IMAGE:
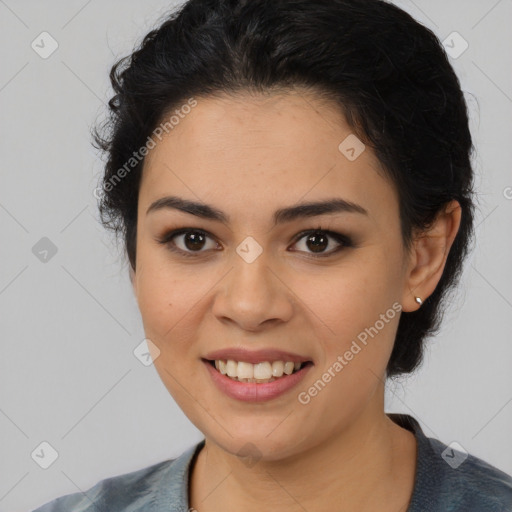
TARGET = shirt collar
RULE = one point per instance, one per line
(429, 467)
(173, 496)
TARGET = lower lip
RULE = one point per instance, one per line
(252, 391)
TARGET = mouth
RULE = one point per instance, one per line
(259, 373)
(262, 381)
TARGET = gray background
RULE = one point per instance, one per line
(69, 325)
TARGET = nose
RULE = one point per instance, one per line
(253, 296)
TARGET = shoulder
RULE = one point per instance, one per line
(129, 491)
(470, 483)
(449, 479)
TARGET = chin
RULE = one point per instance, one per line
(258, 444)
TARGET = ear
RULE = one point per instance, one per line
(428, 255)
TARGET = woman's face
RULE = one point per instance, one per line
(254, 282)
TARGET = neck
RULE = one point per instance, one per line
(371, 460)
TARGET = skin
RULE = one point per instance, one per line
(249, 155)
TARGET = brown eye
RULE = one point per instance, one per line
(317, 241)
(194, 240)
(188, 242)
(191, 242)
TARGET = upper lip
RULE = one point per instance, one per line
(255, 356)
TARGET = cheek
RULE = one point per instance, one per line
(164, 293)
(354, 308)
(162, 297)
(167, 305)
(162, 304)
(351, 296)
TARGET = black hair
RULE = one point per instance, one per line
(388, 73)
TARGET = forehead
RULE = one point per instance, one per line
(249, 151)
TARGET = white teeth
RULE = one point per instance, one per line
(277, 368)
(231, 368)
(259, 372)
(245, 370)
(288, 368)
(222, 367)
(262, 370)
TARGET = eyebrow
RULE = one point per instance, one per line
(288, 214)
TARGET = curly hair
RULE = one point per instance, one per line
(388, 73)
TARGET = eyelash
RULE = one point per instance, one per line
(338, 237)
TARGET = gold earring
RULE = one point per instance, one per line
(418, 300)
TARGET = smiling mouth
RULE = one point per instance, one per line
(259, 373)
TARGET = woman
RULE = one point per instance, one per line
(293, 185)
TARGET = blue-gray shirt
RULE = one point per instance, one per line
(447, 480)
